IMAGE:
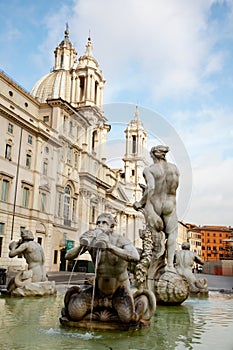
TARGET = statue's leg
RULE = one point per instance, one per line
(123, 303)
(171, 225)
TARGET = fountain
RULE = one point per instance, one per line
(31, 282)
(109, 303)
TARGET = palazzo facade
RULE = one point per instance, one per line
(54, 178)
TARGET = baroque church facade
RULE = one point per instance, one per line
(54, 178)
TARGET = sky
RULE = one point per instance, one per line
(172, 58)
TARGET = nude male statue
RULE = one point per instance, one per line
(112, 281)
(159, 199)
(34, 255)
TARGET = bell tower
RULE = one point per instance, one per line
(89, 80)
(65, 54)
(135, 156)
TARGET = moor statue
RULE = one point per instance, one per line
(110, 298)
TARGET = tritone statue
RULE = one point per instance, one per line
(184, 260)
(158, 204)
(110, 303)
(33, 281)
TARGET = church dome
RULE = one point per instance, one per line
(52, 86)
(79, 83)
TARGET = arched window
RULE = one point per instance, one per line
(94, 139)
(67, 197)
(134, 144)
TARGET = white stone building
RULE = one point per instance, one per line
(54, 179)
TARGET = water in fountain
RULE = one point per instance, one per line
(97, 260)
(73, 268)
(197, 324)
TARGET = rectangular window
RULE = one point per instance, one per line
(134, 144)
(1, 239)
(30, 139)
(25, 197)
(10, 128)
(8, 151)
(81, 85)
(69, 155)
(5, 189)
(22, 228)
(2, 228)
(93, 214)
(46, 118)
(45, 168)
(28, 161)
(39, 240)
(70, 127)
(55, 256)
(43, 202)
(73, 209)
(64, 124)
(59, 204)
(75, 160)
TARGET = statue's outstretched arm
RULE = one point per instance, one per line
(198, 260)
(128, 252)
(17, 250)
(74, 252)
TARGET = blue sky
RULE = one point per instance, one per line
(173, 58)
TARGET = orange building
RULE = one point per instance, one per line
(216, 242)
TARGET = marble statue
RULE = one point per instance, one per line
(184, 260)
(159, 199)
(33, 281)
(158, 204)
(109, 302)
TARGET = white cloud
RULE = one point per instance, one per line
(169, 45)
